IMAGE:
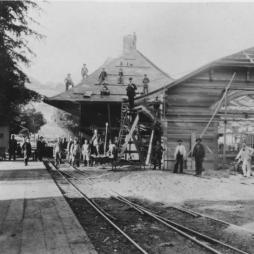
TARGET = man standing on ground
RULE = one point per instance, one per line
(245, 156)
(157, 155)
(86, 152)
(27, 150)
(199, 155)
(69, 156)
(146, 81)
(12, 148)
(180, 156)
(40, 148)
(131, 93)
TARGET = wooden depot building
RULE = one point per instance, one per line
(212, 93)
(95, 108)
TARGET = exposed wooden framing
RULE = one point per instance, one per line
(109, 119)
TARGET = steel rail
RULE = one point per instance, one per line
(101, 213)
(177, 227)
(181, 227)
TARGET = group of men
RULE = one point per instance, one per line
(85, 151)
(180, 155)
(15, 148)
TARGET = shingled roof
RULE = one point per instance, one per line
(133, 63)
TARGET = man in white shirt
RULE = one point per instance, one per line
(180, 156)
(245, 156)
(86, 152)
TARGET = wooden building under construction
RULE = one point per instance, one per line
(203, 103)
(221, 88)
(94, 108)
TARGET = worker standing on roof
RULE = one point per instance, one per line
(102, 77)
(120, 76)
(131, 93)
(84, 72)
(156, 107)
(68, 82)
(146, 81)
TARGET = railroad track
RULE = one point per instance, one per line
(207, 243)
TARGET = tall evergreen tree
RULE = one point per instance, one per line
(15, 28)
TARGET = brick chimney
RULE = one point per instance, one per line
(129, 42)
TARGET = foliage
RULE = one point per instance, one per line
(32, 120)
(15, 24)
(67, 121)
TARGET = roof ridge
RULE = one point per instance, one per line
(196, 71)
(154, 65)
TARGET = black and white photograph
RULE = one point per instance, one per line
(126, 127)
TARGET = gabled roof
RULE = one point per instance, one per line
(244, 58)
(133, 63)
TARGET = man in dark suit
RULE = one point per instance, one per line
(199, 155)
(131, 93)
(27, 149)
(12, 148)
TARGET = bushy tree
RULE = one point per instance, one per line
(15, 29)
(32, 120)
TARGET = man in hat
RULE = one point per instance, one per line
(40, 148)
(131, 92)
(12, 148)
(199, 154)
(156, 107)
(180, 156)
(146, 81)
(84, 72)
(102, 77)
(68, 82)
(120, 76)
(245, 155)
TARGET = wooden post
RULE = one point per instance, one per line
(106, 135)
(193, 142)
(109, 119)
(225, 131)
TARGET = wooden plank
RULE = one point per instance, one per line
(55, 235)
(10, 238)
(77, 237)
(11, 230)
(33, 237)
(4, 207)
(33, 241)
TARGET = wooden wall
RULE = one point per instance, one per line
(188, 108)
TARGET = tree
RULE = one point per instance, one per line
(14, 52)
(32, 120)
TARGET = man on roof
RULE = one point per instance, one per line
(84, 72)
(146, 81)
(68, 82)
(120, 76)
(131, 92)
(102, 77)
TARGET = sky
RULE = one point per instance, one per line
(177, 37)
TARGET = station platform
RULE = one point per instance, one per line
(34, 216)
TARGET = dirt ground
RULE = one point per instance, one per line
(222, 194)
(225, 194)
